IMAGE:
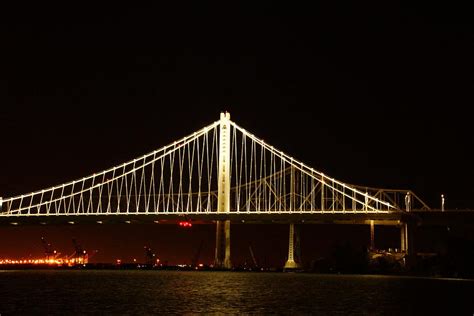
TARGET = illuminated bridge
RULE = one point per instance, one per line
(220, 173)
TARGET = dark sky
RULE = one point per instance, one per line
(371, 93)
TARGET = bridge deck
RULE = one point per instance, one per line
(422, 218)
(326, 218)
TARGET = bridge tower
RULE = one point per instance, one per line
(222, 259)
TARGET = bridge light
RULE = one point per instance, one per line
(185, 224)
(14, 223)
(71, 222)
(128, 222)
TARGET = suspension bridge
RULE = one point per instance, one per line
(221, 173)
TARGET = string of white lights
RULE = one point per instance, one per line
(182, 178)
(125, 184)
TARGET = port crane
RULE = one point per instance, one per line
(253, 257)
(149, 257)
(49, 252)
(80, 255)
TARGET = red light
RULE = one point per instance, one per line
(185, 224)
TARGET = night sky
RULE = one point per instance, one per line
(370, 93)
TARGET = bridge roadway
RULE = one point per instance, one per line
(420, 218)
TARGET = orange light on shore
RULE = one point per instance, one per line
(38, 261)
(33, 261)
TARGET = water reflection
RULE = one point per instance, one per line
(171, 292)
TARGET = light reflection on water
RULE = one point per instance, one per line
(172, 292)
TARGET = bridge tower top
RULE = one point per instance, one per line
(225, 116)
(223, 196)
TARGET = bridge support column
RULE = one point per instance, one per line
(407, 238)
(222, 259)
(291, 262)
(372, 235)
(403, 237)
